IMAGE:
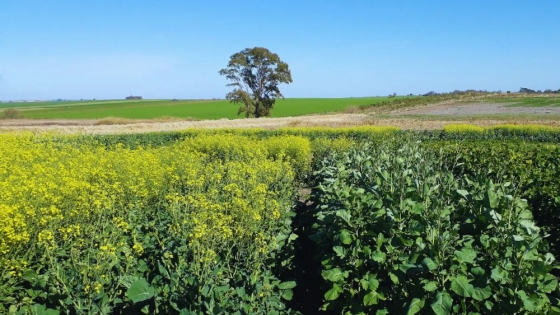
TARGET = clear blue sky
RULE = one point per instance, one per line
(174, 49)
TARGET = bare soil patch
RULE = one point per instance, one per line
(467, 109)
(334, 120)
(135, 126)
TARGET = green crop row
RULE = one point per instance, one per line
(402, 229)
(365, 133)
(535, 167)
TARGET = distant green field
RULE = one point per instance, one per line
(55, 103)
(200, 109)
(530, 101)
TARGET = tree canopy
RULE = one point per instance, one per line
(255, 74)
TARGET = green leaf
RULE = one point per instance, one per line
(380, 240)
(205, 290)
(499, 274)
(418, 208)
(490, 199)
(287, 295)
(50, 311)
(287, 285)
(394, 278)
(495, 216)
(142, 266)
(477, 271)
(333, 293)
(481, 294)
(549, 259)
(443, 304)
(461, 286)
(344, 215)
(463, 193)
(240, 291)
(382, 312)
(526, 214)
(140, 291)
(415, 306)
(345, 237)
(430, 286)
(370, 298)
(373, 282)
(429, 263)
(365, 284)
(292, 237)
(334, 275)
(39, 309)
(340, 251)
(370, 282)
(467, 255)
(549, 284)
(378, 256)
(529, 226)
(29, 275)
(529, 302)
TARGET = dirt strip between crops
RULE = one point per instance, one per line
(463, 109)
(334, 120)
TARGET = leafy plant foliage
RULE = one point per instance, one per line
(397, 234)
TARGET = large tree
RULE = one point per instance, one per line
(255, 74)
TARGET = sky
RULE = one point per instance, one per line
(109, 49)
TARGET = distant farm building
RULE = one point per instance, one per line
(134, 97)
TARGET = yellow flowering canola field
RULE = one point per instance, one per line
(85, 221)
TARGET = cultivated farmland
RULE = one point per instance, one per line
(419, 113)
(455, 221)
(196, 109)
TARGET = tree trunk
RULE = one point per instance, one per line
(257, 113)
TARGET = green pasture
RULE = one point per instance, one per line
(529, 101)
(200, 109)
(61, 104)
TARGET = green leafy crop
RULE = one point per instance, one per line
(398, 233)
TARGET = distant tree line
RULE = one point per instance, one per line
(530, 91)
(134, 97)
(459, 92)
(465, 92)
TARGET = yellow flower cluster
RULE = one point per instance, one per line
(231, 145)
(217, 189)
(13, 229)
(459, 128)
